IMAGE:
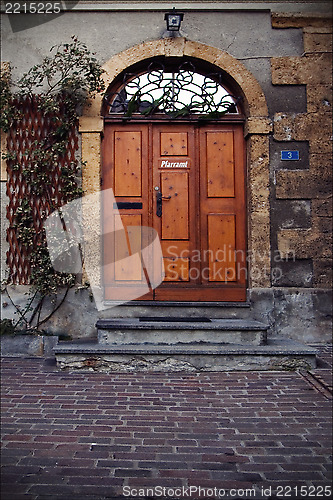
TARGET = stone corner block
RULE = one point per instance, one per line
(300, 20)
(90, 124)
(174, 47)
(317, 41)
(312, 68)
(258, 125)
(303, 127)
(286, 71)
(294, 243)
(284, 126)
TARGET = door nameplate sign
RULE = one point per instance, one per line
(289, 155)
(174, 164)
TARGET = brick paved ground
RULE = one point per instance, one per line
(86, 435)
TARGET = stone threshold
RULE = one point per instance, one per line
(277, 354)
(275, 345)
(180, 324)
(159, 303)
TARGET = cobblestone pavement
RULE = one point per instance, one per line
(84, 435)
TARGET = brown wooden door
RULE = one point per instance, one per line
(188, 183)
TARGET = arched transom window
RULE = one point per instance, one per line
(179, 91)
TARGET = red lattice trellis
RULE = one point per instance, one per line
(32, 126)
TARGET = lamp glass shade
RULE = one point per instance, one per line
(173, 20)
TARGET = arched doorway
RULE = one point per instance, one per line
(204, 221)
(174, 156)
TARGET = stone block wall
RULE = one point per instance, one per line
(302, 193)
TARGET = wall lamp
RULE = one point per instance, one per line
(173, 20)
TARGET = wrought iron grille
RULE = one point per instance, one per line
(179, 92)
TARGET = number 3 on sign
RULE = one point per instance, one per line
(289, 155)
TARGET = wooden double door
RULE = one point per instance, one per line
(187, 181)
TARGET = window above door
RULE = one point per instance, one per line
(175, 91)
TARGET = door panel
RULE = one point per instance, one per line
(175, 205)
(220, 164)
(126, 246)
(221, 244)
(127, 163)
(173, 143)
(188, 183)
(176, 269)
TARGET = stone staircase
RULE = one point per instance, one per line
(178, 331)
(177, 339)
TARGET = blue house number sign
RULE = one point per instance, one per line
(289, 155)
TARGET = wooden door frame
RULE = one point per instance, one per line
(257, 128)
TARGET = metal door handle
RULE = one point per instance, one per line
(159, 204)
(159, 199)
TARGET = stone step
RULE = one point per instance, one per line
(231, 310)
(179, 330)
(277, 354)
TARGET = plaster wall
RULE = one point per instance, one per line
(247, 36)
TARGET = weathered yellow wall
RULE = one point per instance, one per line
(313, 69)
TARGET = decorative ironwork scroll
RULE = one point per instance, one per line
(179, 92)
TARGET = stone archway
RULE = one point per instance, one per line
(256, 131)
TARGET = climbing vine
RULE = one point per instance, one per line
(58, 88)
